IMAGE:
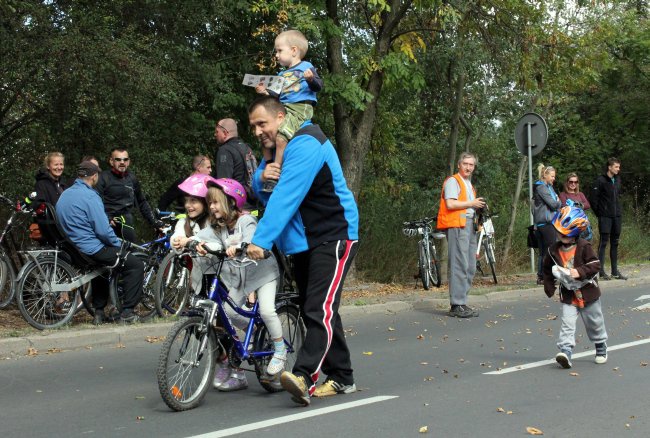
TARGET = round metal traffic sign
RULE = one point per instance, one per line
(538, 133)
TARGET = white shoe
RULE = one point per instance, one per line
(222, 374)
(601, 359)
(277, 362)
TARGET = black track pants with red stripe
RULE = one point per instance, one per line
(319, 274)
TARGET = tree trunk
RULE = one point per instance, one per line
(455, 118)
(515, 201)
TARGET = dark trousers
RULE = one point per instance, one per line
(320, 273)
(546, 236)
(131, 274)
(610, 230)
(126, 231)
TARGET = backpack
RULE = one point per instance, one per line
(250, 166)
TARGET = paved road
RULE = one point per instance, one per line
(415, 368)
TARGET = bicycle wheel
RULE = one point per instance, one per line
(172, 286)
(187, 362)
(146, 308)
(38, 304)
(7, 282)
(424, 263)
(293, 332)
(436, 277)
(488, 244)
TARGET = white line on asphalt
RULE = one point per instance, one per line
(294, 417)
(541, 363)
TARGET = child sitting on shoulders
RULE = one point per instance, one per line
(230, 227)
(298, 95)
(572, 261)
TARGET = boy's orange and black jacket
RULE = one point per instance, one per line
(585, 261)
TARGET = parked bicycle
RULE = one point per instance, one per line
(187, 359)
(486, 242)
(10, 262)
(428, 261)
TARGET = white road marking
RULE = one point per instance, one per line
(295, 417)
(644, 306)
(541, 363)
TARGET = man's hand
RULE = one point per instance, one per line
(308, 75)
(271, 171)
(254, 252)
(478, 203)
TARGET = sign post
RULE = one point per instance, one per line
(531, 134)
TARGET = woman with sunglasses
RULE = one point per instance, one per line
(572, 191)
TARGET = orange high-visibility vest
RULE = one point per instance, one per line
(453, 218)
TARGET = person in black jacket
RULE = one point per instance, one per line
(230, 159)
(49, 182)
(605, 202)
(201, 164)
(121, 192)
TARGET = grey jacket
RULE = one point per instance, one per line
(545, 203)
(240, 273)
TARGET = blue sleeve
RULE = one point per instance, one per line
(263, 197)
(303, 159)
(99, 222)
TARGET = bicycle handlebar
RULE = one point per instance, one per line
(221, 253)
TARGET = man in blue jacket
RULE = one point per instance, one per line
(312, 215)
(82, 217)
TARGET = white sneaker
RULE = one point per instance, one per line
(276, 364)
(222, 374)
(601, 359)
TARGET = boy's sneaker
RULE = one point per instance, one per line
(276, 364)
(234, 383)
(474, 311)
(564, 359)
(331, 387)
(601, 353)
(459, 311)
(296, 386)
(222, 374)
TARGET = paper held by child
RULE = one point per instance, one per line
(563, 276)
(273, 83)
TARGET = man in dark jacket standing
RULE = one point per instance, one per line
(230, 160)
(121, 192)
(605, 201)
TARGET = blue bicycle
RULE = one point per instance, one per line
(187, 361)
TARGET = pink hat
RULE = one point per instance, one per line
(197, 185)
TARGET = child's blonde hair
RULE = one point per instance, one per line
(229, 208)
(544, 170)
(295, 38)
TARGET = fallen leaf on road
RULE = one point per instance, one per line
(392, 339)
(615, 369)
(428, 379)
(31, 351)
(500, 410)
(54, 350)
(644, 364)
(424, 363)
(391, 329)
(88, 347)
(120, 345)
(574, 374)
(534, 431)
(139, 418)
(39, 390)
(509, 413)
(139, 397)
(424, 429)
(154, 339)
(420, 336)
(368, 353)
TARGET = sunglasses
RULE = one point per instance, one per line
(573, 182)
(121, 159)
